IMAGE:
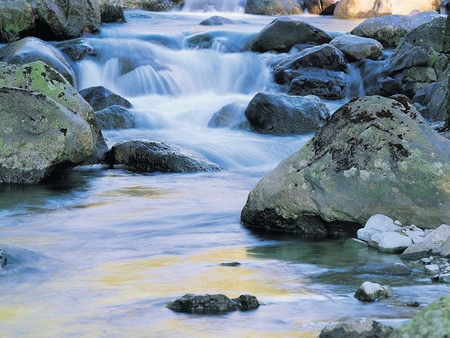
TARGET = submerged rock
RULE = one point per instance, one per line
(284, 33)
(374, 155)
(152, 156)
(212, 304)
(216, 21)
(432, 321)
(370, 292)
(356, 328)
(232, 116)
(271, 113)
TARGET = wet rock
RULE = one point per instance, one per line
(231, 116)
(356, 48)
(64, 20)
(216, 21)
(393, 242)
(115, 117)
(389, 29)
(155, 5)
(100, 98)
(41, 78)
(356, 328)
(40, 138)
(152, 156)
(212, 304)
(284, 33)
(346, 9)
(374, 155)
(393, 269)
(111, 11)
(33, 49)
(320, 6)
(429, 101)
(377, 224)
(273, 7)
(271, 113)
(370, 292)
(77, 50)
(3, 258)
(420, 250)
(231, 264)
(432, 321)
(17, 20)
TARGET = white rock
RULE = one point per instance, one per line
(415, 236)
(432, 269)
(375, 239)
(369, 291)
(393, 242)
(439, 235)
(377, 223)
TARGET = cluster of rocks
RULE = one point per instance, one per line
(213, 304)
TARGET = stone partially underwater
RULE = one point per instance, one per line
(374, 155)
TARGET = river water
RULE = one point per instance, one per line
(101, 252)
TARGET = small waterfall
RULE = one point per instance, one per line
(214, 6)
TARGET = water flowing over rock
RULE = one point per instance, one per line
(273, 7)
(17, 20)
(284, 33)
(374, 155)
(356, 48)
(432, 321)
(152, 156)
(346, 9)
(115, 117)
(390, 29)
(212, 304)
(63, 20)
(271, 113)
(216, 21)
(39, 138)
(32, 49)
(100, 98)
(232, 116)
(356, 328)
(43, 79)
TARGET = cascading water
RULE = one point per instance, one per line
(102, 251)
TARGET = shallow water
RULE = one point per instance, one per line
(101, 252)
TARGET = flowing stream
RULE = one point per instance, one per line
(101, 252)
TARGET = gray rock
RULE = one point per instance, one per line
(370, 292)
(100, 98)
(152, 156)
(356, 328)
(284, 33)
(155, 5)
(40, 138)
(356, 48)
(40, 78)
(445, 252)
(77, 49)
(271, 113)
(115, 117)
(111, 11)
(231, 116)
(429, 101)
(439, 235)
(216, 21)
(393, 269)
(393, 242)
(3, 258)
(390, 29)
(212, 304)
(17, 20)
(374, 155)
(417, 251)
(432, 321)
(273, 7)
(64, 20)
(33, 49)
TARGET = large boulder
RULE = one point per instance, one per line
(318, 70)
(40, 139)
(432, 321)
(346, 9)
(271, 113)
(319, 6)
(63, 20)
(152, 156)
(100, 98)
(356, 48)
(390, 29)
(32, 49)
(356, 328)
(375, 155)
(284, 33)
(43, 79)
(273, 7)
(17, 20)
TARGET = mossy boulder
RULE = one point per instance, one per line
(375, 155)
(41, 78)
(39, 138)
(17, 20)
